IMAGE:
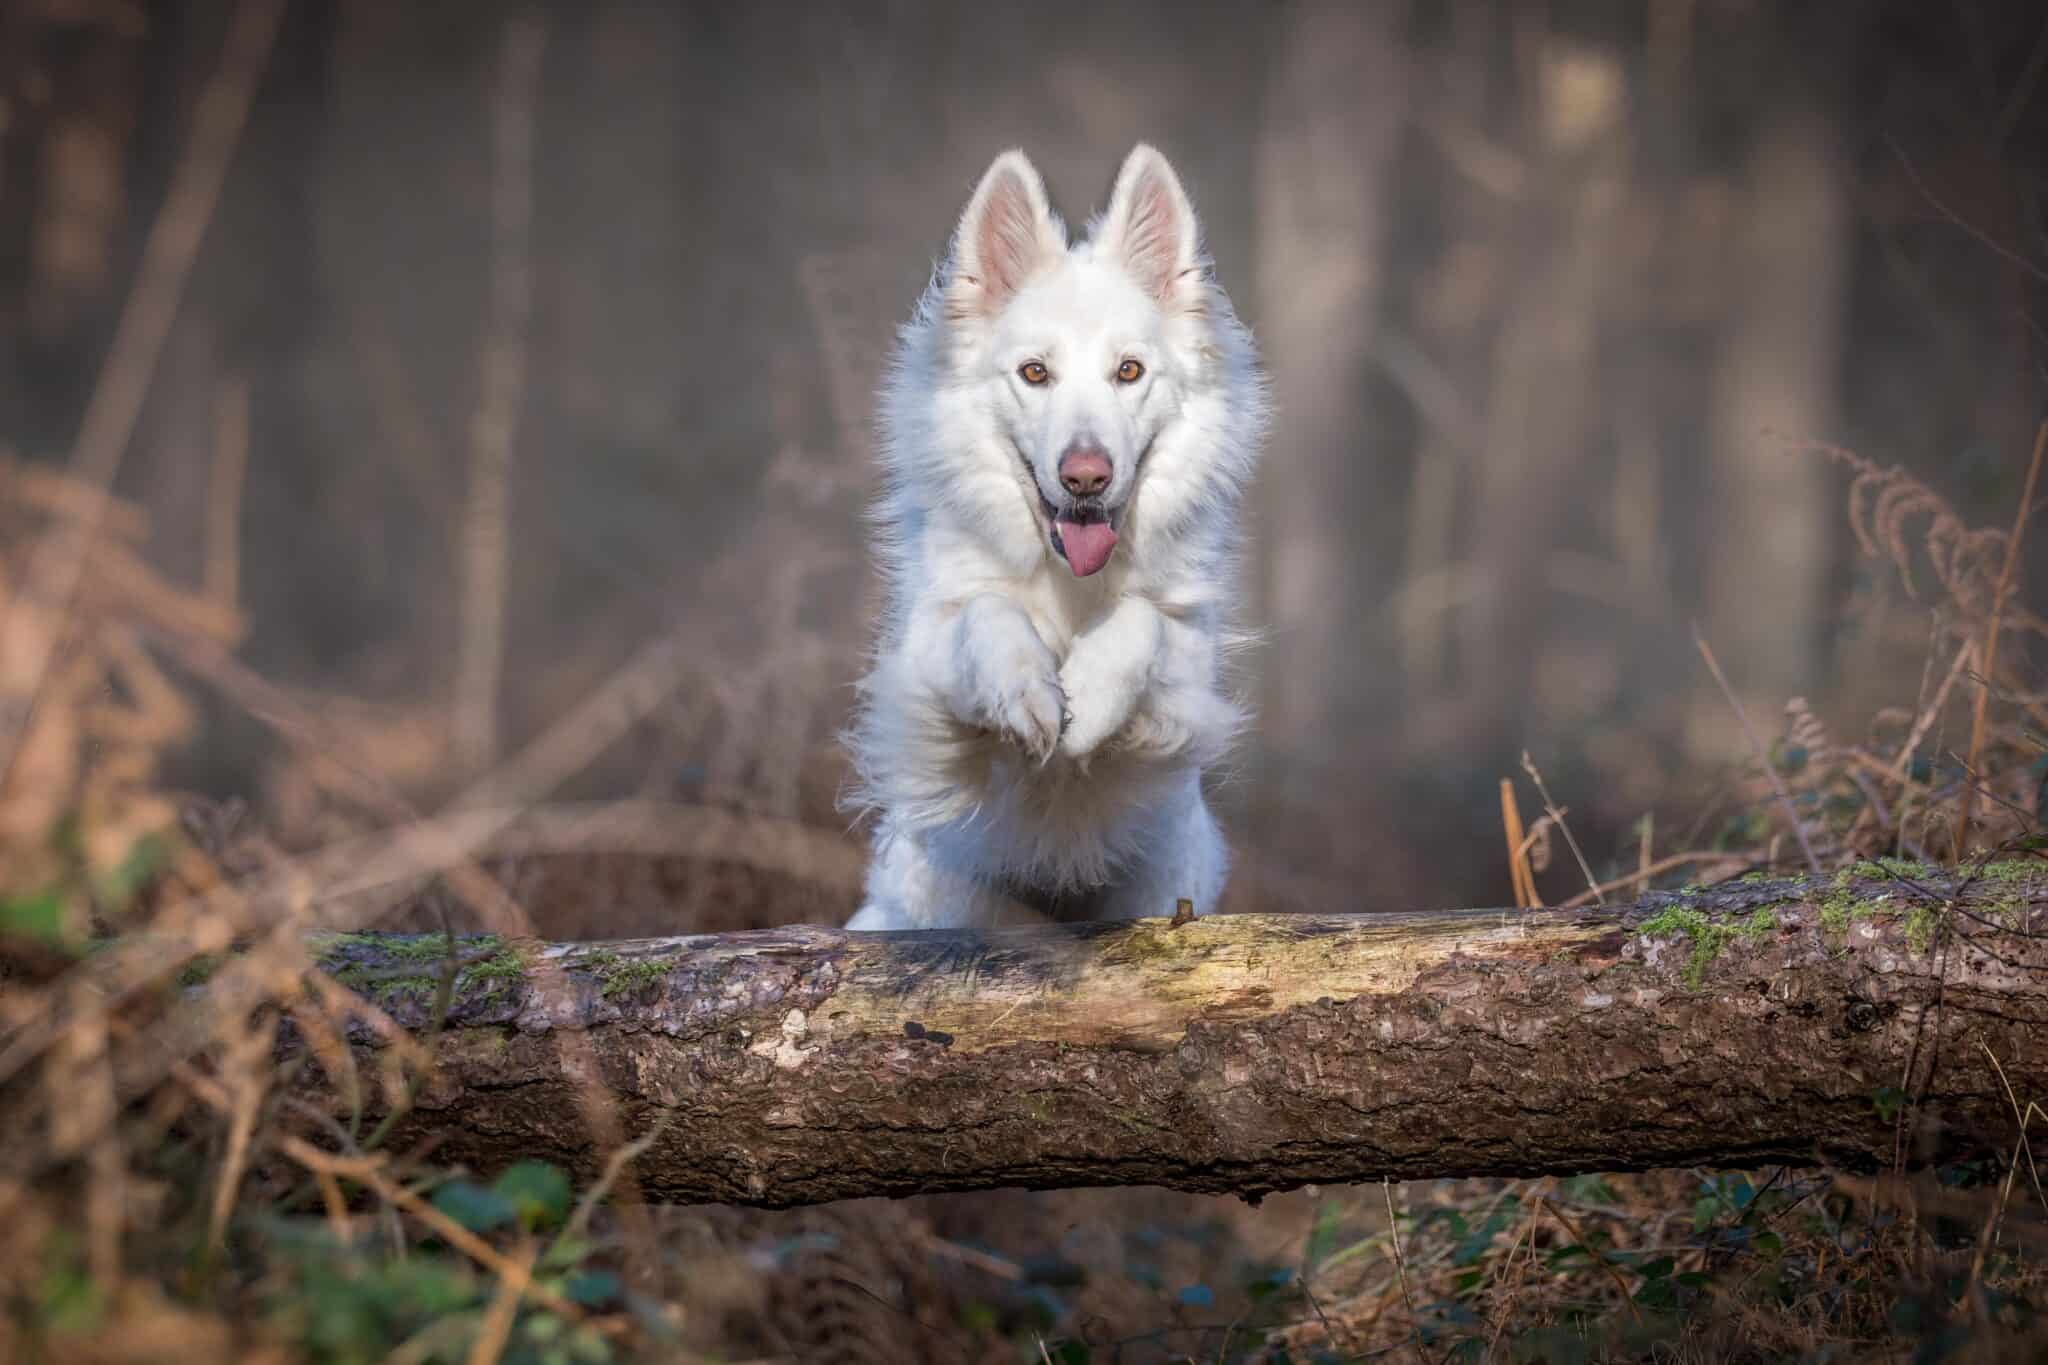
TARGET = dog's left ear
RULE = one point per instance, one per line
(1151, 227)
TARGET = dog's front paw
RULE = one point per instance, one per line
(1020, 699)
(1091, 719)
(1098, 704)
(1030, 711)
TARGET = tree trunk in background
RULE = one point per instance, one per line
(1774, 383)
(74, 97)
(486, 532)
(1323, 184)
(1324, 175)
(1776, 380)
(1541, 416)
(1756, 1022)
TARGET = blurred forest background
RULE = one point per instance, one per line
(528, 353)
(484, 391)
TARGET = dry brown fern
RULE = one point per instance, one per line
(1884, 506)
(855, 1285)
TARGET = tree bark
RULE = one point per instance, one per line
(1853, 1021)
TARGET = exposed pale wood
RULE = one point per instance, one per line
(1759, 1021)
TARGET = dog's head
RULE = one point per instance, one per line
(1080, 356)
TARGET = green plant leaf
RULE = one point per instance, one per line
(474, 1207)
(39, 917)
(593, 1288)
(539, 1193)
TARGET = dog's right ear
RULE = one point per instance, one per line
(1006, 236)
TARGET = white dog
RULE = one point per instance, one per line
(1066, 436)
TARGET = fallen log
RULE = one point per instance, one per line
(1892, 1013)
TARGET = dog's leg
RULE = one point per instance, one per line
(906, 889)
(1107, 671)
(1191, 721)
(1185, 858)
(984, 660)
(1143, 682)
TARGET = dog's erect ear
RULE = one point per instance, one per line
(1007, 235)
(1151, 227)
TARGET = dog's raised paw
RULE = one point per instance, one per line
(1091, 723)
(1031, 715)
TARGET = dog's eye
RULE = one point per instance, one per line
(1033, 373)
(1130, 372)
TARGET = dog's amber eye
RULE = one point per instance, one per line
(1031, 372)
(1129, 372)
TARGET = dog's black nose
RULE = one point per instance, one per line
(1084, 470)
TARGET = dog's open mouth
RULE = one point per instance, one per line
(1083, 534)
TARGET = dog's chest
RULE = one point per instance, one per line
(1063, 612)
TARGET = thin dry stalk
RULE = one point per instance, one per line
(1401, 1270)
(1577, 1236)
(1923, 722)
(1990, 668)
(987, 1263)
(1518, 853)
(496, 1329)
(1756, 745)
(1644, 873)
(1506, 1309)
(485, 536)
(52, 493)
(1556, 814)
(614, 1168)
(1982, 237)
(2023, 1118)
(247, 1061)
(337, 1207)
(1534, 850)
(146, 317)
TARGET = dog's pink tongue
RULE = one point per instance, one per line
(1088, 544)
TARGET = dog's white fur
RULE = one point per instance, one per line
(1026, 733)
